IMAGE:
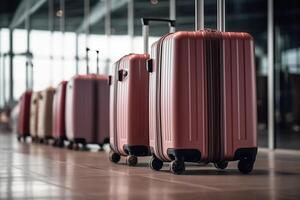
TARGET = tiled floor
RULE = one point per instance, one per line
(31, 171)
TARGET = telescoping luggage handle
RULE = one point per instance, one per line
(199, 15)
(146, 21)
(87, 61)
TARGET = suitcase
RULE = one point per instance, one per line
(24, 115)
(34, 105)
(59, 125)
(87, 103)
(45, 109)
(203, 100)
(129, 108)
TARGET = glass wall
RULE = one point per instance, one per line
(287, 73)
(251, 16)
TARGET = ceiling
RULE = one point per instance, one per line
(241, 15)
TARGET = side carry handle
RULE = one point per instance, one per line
(122, 74)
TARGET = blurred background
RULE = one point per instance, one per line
(43, 42)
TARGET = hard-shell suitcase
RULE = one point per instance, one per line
(129, 107)
(44, 129)
(87, 103)
(24, 116)
(34, 106)
(101, 117)
(203, 100)
(59, 125)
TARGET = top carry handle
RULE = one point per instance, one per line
(145, 22)
(199, 15)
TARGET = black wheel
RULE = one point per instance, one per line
(76, 147)
(245, 166)
(55, 143)
(60, 143)
(114, 157)
(19, 138)
(41, 141)
(100, 147)
(131, 160)
(70, 145)
(221, 164)
(85, 148)
(155, 164)
(177, 167)
(106, 141)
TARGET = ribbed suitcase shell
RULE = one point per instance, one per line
(183, 119)
(81, 99)
(102, 123)
(44, 130)
(59, 103)
(129, 105)
(24, 114)
(34, 106)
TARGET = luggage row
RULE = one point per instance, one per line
(76, 111)
(192, 99)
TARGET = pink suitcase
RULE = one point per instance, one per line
(24, 116)
(203, 100)
(87, 103)
(129, 108)
(59, 125)
(45, 109)
(34, 107)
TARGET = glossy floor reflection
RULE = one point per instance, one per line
(31, 171)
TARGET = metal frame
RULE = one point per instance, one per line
(271, 96)
(11, 66)
(99, 11)
(22, 11)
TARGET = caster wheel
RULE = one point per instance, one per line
(177, 167)
(131, 160)
(55, 143)
(114, 157)
(76, 147)
(106, 141)
(100, 147)
(19, 138)
(245, 166)
(155, 164)
(221, 164)
(85, 148)
(70, 146)
(41, 141)
(61, 144)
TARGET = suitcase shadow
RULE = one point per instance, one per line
(214, 172)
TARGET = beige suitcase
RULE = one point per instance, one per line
(34, 115)
(45, 110)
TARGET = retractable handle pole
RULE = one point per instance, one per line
(221, 15)
(145, 22)
(87, 60)
(97, 52)
(199, 15)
